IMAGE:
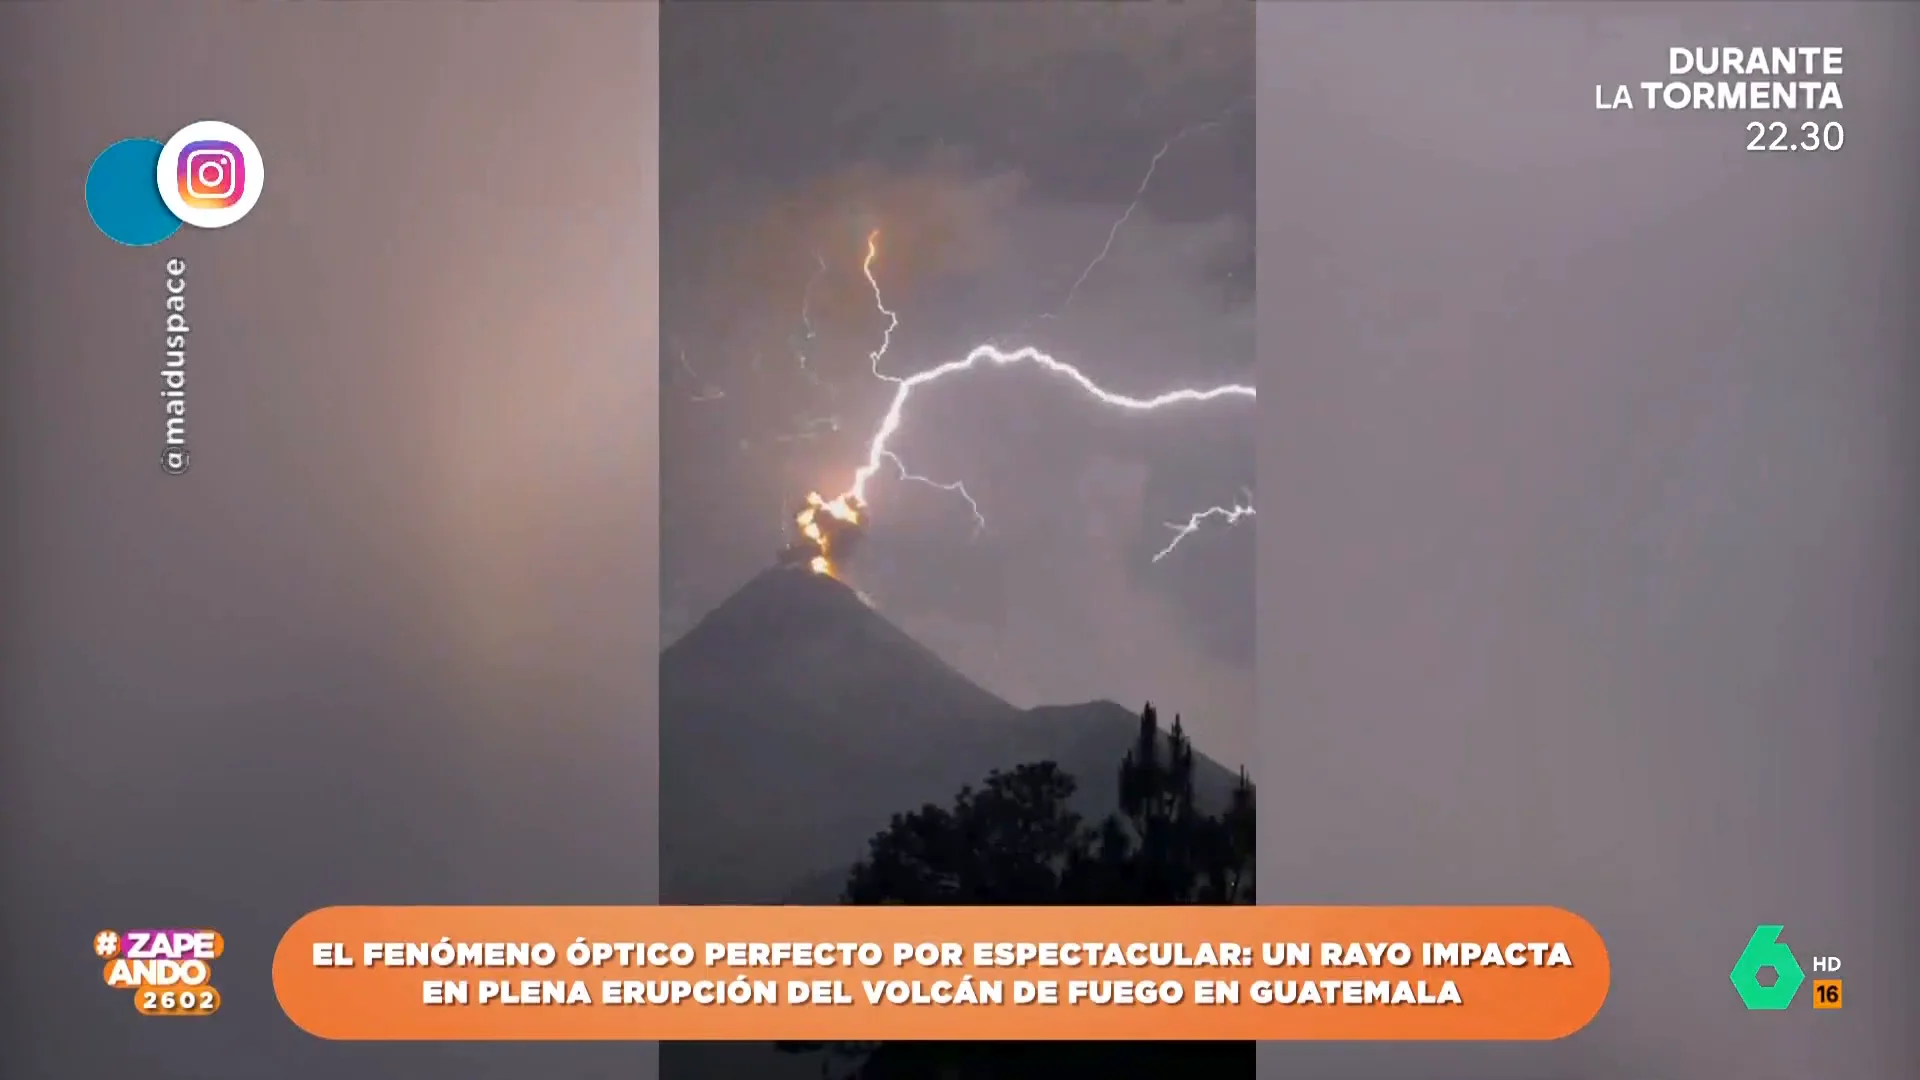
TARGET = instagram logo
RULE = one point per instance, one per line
(213, 174)
(210, 174)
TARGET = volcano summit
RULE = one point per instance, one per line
(795, 720)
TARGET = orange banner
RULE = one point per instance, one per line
(873, 974)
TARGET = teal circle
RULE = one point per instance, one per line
(123, 197)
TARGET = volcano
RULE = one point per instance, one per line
(795, 720)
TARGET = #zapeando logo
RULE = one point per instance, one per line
(167, 970)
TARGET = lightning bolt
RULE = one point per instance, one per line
(806, 321)
(893, 320)
(1139, 194)
(810, 428)
(1183, 529)
(708, 391)
(953, 487)
(849, 507)
(990, 354)
(806, 296)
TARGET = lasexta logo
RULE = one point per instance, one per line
(1765, 950)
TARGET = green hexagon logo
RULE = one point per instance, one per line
(1766, 950)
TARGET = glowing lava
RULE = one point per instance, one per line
(829, 525)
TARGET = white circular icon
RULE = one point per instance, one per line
(210, 174)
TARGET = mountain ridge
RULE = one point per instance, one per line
(796, 720)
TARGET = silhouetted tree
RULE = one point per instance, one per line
(1161, 848)
(1012, 841)
(1016, 840)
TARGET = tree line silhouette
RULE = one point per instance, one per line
(1016, 840)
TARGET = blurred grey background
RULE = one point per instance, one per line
(392, 639)
(1588, 523)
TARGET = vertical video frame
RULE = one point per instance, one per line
(957, 493)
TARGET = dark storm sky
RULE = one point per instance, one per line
(993, 146)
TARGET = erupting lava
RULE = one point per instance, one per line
(831, 526)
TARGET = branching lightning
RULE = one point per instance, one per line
(1184, 529)
(806, 298)
(806, 323)
(893, 320)
(990, 354)
(848, 509)
(806, 427)
(823, 519)
(952, 486)
(707, 391)
(1139, 194)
